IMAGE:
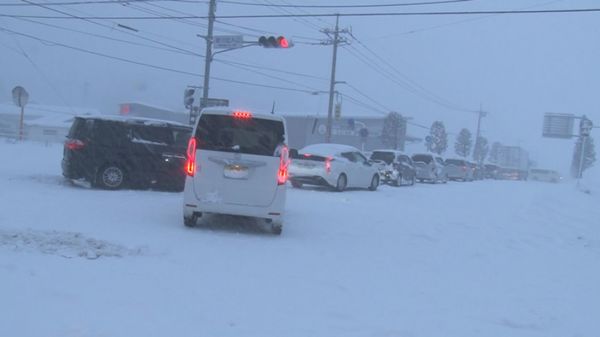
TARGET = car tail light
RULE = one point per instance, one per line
(242, 114)
(464, 168)
(284, 162)
(328, 164)
(190, 164)
(74, 144)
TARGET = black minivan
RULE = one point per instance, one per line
(113, 152)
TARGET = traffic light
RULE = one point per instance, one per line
(274, 42)
(188, 97)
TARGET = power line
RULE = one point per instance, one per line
(239, 65)
(288, 5)
(432, 96)
(275, 16)
(87, 51)
(96, 2)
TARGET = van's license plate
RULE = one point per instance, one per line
(235, 171)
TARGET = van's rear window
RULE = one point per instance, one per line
(244, 135)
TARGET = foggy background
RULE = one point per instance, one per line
(516, 67)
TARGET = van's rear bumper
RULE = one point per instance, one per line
(274, 211)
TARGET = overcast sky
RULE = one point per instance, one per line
(515, 66)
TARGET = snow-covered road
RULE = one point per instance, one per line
(488, 258)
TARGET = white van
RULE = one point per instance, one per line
(237, 163)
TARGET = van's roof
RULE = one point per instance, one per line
(230, 111)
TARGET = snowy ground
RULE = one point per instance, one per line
(490, 258)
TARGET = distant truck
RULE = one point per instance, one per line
(513, 162)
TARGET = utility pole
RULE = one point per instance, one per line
(336, 41)
(480, 114)
(208, 58)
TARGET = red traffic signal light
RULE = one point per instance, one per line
(273, 42)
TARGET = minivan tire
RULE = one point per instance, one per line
(111, 177)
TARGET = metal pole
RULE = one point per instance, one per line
(208, 57)
(332, 83)
(21, 121)
(480, 113)
(581, 158)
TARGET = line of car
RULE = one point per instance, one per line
(237, 163)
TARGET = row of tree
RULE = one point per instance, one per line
(437, 142)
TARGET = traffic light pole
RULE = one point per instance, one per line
(208, 57)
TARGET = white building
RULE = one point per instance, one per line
(43, 123)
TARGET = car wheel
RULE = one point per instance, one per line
(398, 181)
(276, 228)
(374, 183)
(341, 183)
(111, 177)
(296, 184)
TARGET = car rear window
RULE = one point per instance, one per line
(422, 158)
(387, 157)
(244, 135)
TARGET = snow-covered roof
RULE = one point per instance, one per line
(327, 149)
(129, 119)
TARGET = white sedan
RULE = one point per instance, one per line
(333, 165)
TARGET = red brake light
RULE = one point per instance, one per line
(284, 162)
(242, 114)
(74, 144)
(328, 164)
(190, 164)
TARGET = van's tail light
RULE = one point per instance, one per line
(328, 164)
(190, 163)
(74, 144)
(284, 163)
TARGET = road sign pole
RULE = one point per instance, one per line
(583, 139)
(21, 123)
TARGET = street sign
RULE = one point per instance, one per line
(585, 127)
(557, 125)
(214, 102)
(228, 41)
(20, 96)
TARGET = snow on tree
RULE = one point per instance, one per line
(481, 150)
(437, 142)
(589, 156)
(463, 143)
(391, 133)
(494, 151)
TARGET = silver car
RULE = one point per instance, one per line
(458, 169)
(429, 168)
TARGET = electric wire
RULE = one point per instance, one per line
(277, 16)
(125, 60)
